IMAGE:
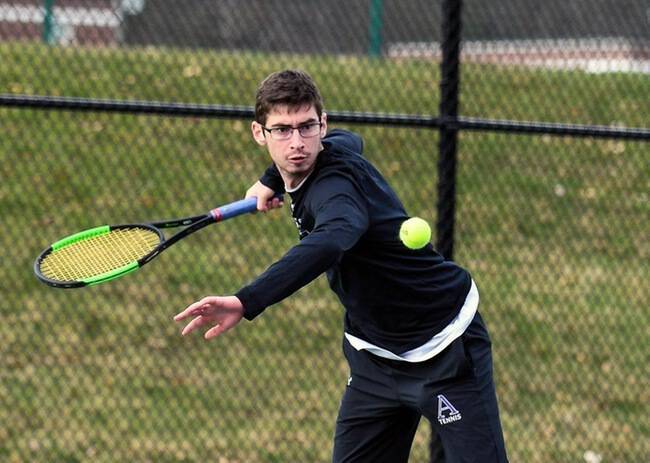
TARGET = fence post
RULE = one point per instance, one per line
(48, 22)
(449, 86)
(376, 14)
(447, 145)
(448, 112)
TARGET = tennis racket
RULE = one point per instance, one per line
(108, 252)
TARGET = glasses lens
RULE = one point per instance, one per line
(281, 133)
(309, 130)
(284, 133)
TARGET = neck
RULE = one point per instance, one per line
(292, 181)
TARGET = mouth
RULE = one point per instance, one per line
(297, 158)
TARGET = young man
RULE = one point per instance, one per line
(414, 340)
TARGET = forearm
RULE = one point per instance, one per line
(302, 264)
(272, 179)
(341, 218)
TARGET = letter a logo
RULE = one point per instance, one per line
(447, 413)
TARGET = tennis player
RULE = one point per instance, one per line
(414, 340)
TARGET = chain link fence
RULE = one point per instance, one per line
(553, 229)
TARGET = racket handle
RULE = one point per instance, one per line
(228, 211)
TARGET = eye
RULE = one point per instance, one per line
(310, 129)
(283, 130)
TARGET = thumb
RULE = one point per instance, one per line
(261, 203)
(214, 331)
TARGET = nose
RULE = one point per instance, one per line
(296, 139)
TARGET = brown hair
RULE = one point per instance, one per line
(292, 87)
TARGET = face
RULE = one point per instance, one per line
(294, 157)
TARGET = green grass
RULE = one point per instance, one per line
(553, 230)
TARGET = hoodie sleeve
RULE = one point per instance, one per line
(272, 179)
(341, 218)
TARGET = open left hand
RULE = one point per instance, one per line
(220, 312)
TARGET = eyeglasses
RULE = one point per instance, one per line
(308, 130)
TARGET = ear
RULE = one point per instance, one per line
(258, 133)
(323, 127)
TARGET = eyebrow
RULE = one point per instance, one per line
(312, 120)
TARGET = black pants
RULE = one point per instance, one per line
(384, 400)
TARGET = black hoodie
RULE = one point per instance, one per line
(348, 219)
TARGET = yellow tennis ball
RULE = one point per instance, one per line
(415, 233)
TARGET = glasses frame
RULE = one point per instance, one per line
(273, 130)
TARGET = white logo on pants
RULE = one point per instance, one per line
(447, 413)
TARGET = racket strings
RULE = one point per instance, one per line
(99, 254)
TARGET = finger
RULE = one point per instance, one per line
(214, 331)
(192, 310)
(194, 324)
(184, 314)
(275, 203)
